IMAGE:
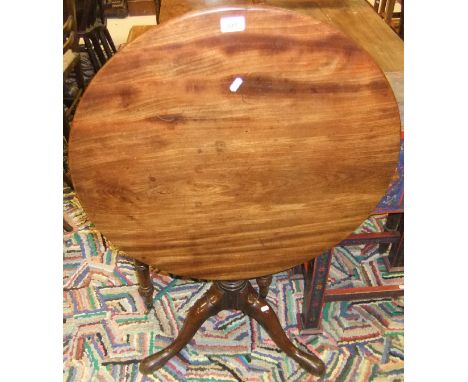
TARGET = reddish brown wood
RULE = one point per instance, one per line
(372, 237)
(141, 7)
(186, 175)
(205, 307)
(363, 292)
(356, 18)
(263, 285)
(239, 295)
(146, 287)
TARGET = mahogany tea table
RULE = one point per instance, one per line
(229, 144)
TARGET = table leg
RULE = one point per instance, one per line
(238, 295)
(205, 307)
(146, 287)
(259, 309)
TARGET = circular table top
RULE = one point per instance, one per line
(233, 143)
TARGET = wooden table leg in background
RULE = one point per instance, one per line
(146, 287)
(238, 295)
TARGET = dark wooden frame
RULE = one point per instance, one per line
(92, 28)
(315, 274)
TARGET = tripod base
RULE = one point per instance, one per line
(238, 295)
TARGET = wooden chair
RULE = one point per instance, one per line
(115, 8)
(386, 9)
(71, 65)
(316, 271)
(157, 5)
(92, 28)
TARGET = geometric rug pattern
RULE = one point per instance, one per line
(106, 331)
(362, 265)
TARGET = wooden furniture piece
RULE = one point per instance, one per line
(315, 272)
(71, 65)
(92, 28)
(141, 7)
(358, 21)
(115, 8)
(386, 9)
(395, 224)
(230, 144)
(354, 17)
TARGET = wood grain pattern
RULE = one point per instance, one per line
(355, 18)
(186, 175)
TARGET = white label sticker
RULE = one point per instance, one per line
(401, 286)
(235, 84)
(232, 24)
(264, 308)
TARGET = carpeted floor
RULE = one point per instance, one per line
(106, 331)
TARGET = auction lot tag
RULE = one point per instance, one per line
(232, 24)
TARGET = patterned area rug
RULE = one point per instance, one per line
(106, 330)
(362, 265)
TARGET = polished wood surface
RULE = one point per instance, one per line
(146, 287)
(197, 179)
(356, 18)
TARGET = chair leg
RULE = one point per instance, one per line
(314, 291)
(391, 225)
(396, 255)
(157, 4)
